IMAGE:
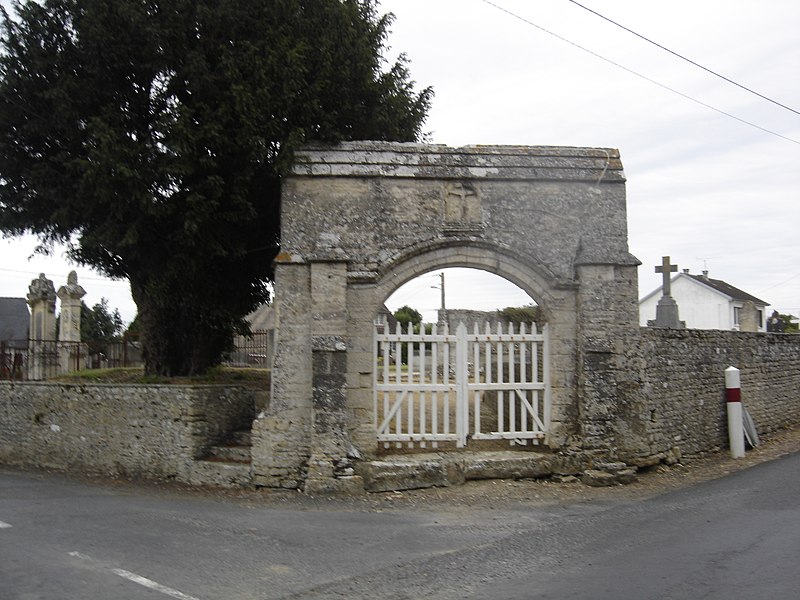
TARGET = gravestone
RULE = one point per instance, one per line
(42, 356)
(69, 334)
(748, 317)
(667, 309)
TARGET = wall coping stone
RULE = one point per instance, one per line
(437, 161)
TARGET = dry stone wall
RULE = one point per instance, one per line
(671, 396)
(664, 401)
(149, 431)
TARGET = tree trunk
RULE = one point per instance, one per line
(179, 338)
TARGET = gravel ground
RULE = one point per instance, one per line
(490, 494)
(650, 482)
(504, 494)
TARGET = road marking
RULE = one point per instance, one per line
(148, 583)
(4, 525)
(143, 581)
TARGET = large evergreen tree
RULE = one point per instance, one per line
(150, 136)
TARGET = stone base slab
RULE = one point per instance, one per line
(396, 473)
(221, 474)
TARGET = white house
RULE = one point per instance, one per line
(704, 303)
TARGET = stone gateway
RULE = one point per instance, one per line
(598, 394)
(362, 218)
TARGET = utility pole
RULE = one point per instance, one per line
(442, 314)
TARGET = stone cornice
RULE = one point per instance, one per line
(428, 161)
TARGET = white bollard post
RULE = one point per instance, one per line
(733, 397)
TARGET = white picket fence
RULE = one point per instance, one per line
(444, 387)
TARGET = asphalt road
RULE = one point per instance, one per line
(736, 537)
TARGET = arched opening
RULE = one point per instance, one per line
(462, 291)
(461, 358)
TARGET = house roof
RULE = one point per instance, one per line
(719, 286)
(727, 289)
(14, 319)
(262, 318)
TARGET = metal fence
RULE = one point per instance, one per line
(33, 360)
(254, 350)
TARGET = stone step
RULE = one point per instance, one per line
(243, 437)
(221, 474)
(405, 472)
(228, 453)
(443, 469)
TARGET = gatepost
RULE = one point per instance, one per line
(42, 358)
(69, 334)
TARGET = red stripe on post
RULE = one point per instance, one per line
(733, 394)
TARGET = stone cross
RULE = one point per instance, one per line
(665, 269)
(667, 308)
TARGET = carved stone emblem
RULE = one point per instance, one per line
(462, 209)
(461, 203)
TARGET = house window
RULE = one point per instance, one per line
(761, 319)
(736, 311)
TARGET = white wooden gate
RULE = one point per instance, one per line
(443, 387)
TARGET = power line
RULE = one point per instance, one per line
(688, 60)
(105, 280)
(640, 75)
(796, 275)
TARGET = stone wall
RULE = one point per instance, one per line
(671, 396)
(149, 431)
(454, 316)
(664, 399)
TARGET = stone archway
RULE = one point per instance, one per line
(361, 218)
(557, 303)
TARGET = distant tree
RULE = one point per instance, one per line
(523, 314)
(779, 323)
(132, 330)
(99, 326)
(792, 325)
(151, 137)
(406, 315)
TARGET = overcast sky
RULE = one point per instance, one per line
(706, 189)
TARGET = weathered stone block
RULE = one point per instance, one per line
(507, 465)
(399, 474)
(597, 478)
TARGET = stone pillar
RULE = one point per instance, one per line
(42, 357)
(329, 467)
(69, 334)
(607, 316)
(302, 441)
(282, 434)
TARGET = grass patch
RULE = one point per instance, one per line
(217, 376)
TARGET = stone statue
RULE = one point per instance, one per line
(41, 289)
(775, 323)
